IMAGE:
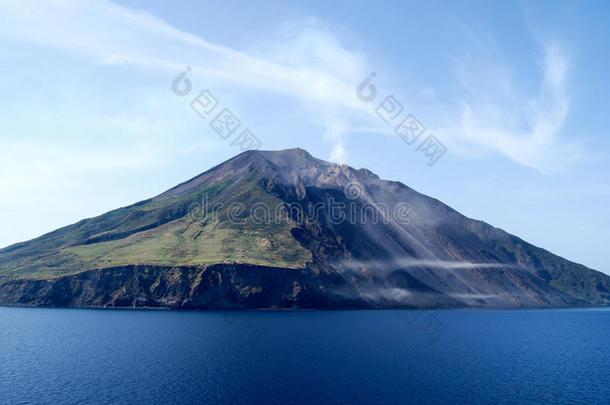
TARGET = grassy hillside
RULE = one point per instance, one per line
(161, 232)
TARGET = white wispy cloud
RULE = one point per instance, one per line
(494, 115)
(307, 63)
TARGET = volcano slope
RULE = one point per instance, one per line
(282, 229)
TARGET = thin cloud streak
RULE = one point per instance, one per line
(420, 263)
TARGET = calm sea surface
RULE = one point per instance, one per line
(72, 356)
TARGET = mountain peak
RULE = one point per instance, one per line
(270, 229)
(295, 158)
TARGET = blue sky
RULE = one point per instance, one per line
(516, 92)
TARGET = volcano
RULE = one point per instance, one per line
(284, 230)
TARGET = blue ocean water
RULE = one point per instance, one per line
(73, 356)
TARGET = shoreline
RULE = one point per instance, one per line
(465, 309)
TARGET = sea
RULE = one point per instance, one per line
(103, 356)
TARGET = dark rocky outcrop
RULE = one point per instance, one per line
(220, 286)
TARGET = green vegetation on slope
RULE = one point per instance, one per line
(161, 232)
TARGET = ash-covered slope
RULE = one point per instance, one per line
(285, 230)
